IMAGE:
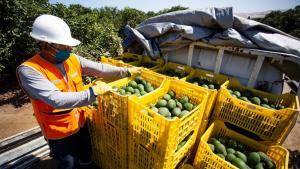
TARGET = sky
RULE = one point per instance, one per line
(239, 6)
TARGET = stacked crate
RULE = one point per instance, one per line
(113, 121)
(206, 158)
(271, 125)
(153, 138)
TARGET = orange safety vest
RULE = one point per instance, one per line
(58, 123)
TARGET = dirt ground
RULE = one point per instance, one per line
(14, 120)
(292, 141)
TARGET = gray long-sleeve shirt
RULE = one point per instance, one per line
(39, 87)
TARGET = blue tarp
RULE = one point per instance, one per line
(216, 26)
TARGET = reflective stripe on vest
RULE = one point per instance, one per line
(58, 123)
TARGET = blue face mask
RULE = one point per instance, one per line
(61, 56)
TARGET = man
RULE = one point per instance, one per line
(52, 79)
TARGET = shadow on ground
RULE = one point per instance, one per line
(294, 159)
(11, 93)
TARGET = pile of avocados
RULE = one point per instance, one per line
(173, 73)
(248, 96)
(204, 83)
(235, 152)
(169, 106)
(138, 87)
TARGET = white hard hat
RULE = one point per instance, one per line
(52, 29)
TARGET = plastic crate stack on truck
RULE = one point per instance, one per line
(237, 67)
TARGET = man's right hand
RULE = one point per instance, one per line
(101, 88)
(135, 70)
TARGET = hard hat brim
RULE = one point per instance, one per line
(67, 42)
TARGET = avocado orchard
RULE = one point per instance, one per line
(98, 29)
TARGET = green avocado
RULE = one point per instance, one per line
(259, 166)
(237, 93)
(154, 109)
(211, 86)
(184, 99)
(129, 89)
(141, 87)
(220, 148)
(266, 106)
(167, 97)
(230, 157)
(176, 111)
(132, 84)
(161, 103)
(149, 89)
(239, 163)
(164, 111)
(230, 150)
(122, 92)
(171, 104)
(188, 106)
(172, 94)
(183, 113)
(205, 86)
(241, 156)
(256, 100)
(143, 93)
(253, 158)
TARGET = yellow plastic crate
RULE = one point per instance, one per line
(269, 125)
(142, 61)
(149, 63)
(113, 110)
(95, 134)
(153, 139)
(212, 77)
(130, 58)
(124, 60)
(205, 158)
(114, 62)
(114, 106)
(183, 70)
(108, 145)
(112, 160)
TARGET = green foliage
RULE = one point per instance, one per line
(98, 29)
(16, 18)
(172, 9)
(287, 21)
(130, 16)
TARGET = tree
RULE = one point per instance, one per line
(16, 18)
(287, 21)
(132, 17)
(172, 9)
(99, 29)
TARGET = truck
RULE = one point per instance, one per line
(213, 39)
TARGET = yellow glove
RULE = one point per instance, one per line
(101, 88)
(135, 70)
